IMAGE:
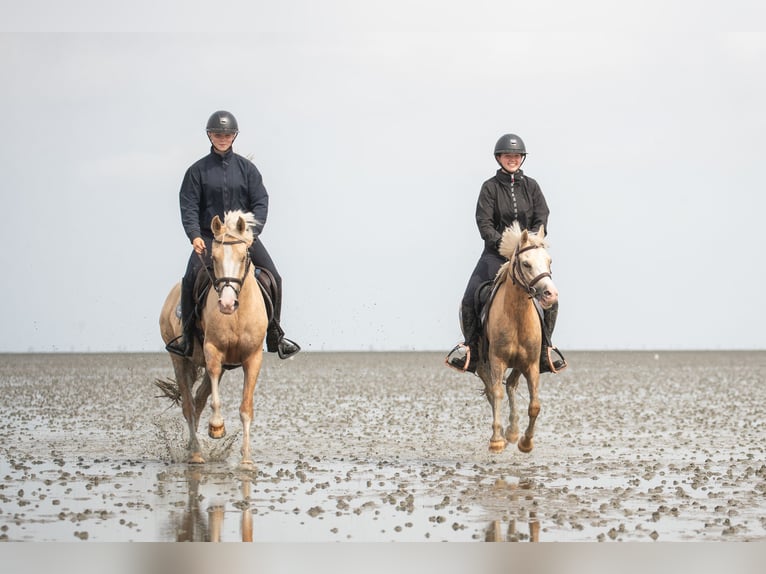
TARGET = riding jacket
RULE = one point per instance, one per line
(507, 197)
(216, 184)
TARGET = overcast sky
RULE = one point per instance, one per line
(373, 125)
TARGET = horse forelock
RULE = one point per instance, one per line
(231, 221)
(512, 237)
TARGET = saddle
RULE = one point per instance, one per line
(483, 298)
(202, 285)
(265, 280)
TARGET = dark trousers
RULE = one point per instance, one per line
(486, 268)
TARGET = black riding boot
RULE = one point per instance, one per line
(276, 342)
(184, 344)
(551, 359)
(465, 356)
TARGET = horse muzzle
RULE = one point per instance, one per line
(228, 308)
(228, 299)
(547, 294)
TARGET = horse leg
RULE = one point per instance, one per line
(201, 396)
(494, 390)
(185, 375)
(511, 384)
(533, 376)
(251, 368)
(215, 426)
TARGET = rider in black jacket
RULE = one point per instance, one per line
(507, 197)
(219, 182)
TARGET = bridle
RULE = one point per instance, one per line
(517, 274)
(220, 283)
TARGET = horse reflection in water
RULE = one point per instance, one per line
(233, 321)
(495, 533)
(195, 526)
(513, 335)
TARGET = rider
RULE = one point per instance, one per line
(507, 197)
(219, 182)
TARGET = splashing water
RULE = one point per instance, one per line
(172, 432)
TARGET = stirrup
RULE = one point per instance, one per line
(459, 358)
(287, 348)
(552, 361)
(178, 346)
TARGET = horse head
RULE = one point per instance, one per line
(530, 264)
(231, 257)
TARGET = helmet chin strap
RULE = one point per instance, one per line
(523, 159)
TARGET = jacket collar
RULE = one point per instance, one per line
(507, 178)
(224, 157)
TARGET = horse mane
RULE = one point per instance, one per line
(511, 239)
(231, 221)
(512, 236)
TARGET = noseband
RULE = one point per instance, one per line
(220, 283)
(517, 274)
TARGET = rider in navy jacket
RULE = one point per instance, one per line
(219, 182)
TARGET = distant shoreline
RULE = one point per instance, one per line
(378, 352)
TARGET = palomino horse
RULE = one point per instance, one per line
(513, 335)
(233, 321)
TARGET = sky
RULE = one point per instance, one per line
(373, 125)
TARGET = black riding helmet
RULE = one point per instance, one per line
(222, 122)
(510, 143)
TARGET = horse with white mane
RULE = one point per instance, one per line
(234, 322)
(513, 335)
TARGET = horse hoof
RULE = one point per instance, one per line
(511, 437)
(497, 446)
(216, 432)
(526, 445)
(196, 458)
(246, 464)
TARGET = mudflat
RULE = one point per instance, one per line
(371, 447)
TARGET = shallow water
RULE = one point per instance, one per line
(629, 446)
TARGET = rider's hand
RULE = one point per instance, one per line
(199, 245)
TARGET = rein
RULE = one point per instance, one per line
(517, 276)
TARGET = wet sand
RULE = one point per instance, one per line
(374, 447)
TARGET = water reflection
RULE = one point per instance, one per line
(496, 533)
(196, 525)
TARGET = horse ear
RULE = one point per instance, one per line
(241, 225)
(216, 225)
(541, 231)
(524, 237)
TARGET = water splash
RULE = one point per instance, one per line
(173, 440)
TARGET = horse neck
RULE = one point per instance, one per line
(250, 289)
(516, 296)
